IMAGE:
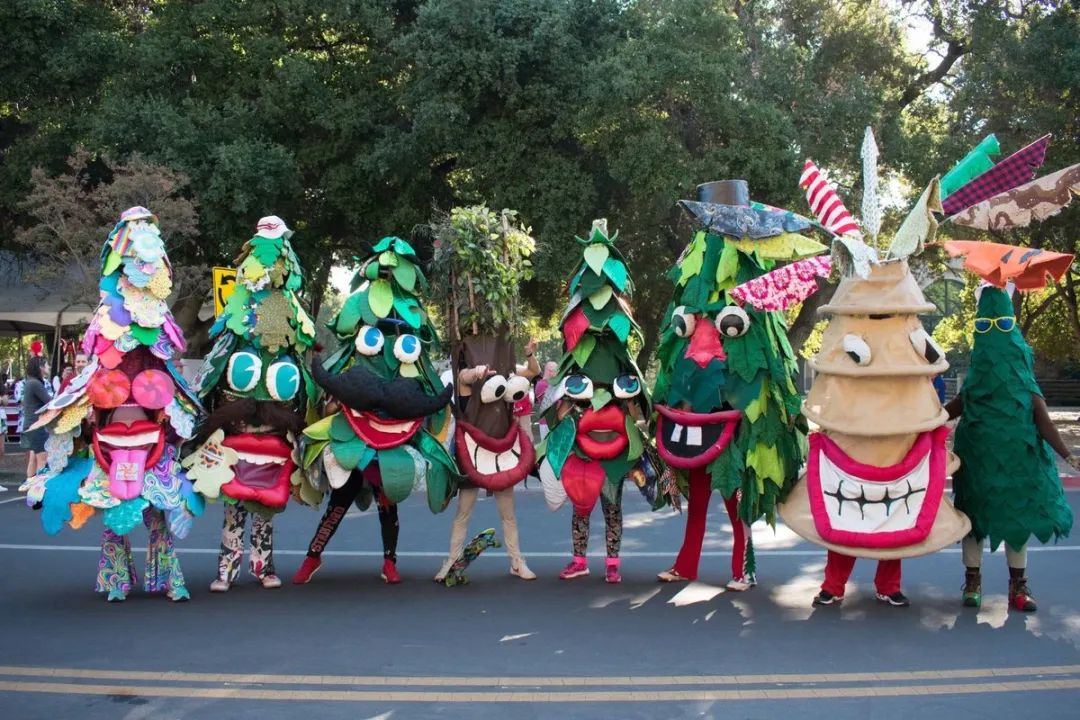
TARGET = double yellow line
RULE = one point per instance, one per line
(342, 688)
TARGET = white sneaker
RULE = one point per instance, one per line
(444, 570)
(741, 584)
(220, 585)
(270, 582)
(522, 571)
(3, 489)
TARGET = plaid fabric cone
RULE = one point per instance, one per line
(1011, 172)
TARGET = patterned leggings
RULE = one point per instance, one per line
(261, 562)
(579, 527)
(116, 568)
(340, 500)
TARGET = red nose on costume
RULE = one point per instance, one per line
(705, 345)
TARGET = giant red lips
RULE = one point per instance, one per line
(264, 470)
(378, 432)
(602, 434)
(494, 463)
(687, 440)
(125, 452)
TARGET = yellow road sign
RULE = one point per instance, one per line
(224, 283)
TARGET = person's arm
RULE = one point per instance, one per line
(469, 376)
(955, 407)
(531, 368)
(1050, 432)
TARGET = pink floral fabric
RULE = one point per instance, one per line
(784, 286)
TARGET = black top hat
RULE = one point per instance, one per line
(724, 192)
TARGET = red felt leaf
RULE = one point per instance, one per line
(574, 327)
(583, 480)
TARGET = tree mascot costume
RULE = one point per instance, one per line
(875, 478)
(390, 414)
(1008, 482)
(727, 407)
(481, 260)
(126, 412)
(260, 393)
(597, 406)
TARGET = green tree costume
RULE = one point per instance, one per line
(1008, 482)
(728, 412)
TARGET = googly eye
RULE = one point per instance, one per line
(732, 321)
(283, 380)
(517, 388)
(683, 321)
(926, 346)
(407, 348)
(857, 349)
(626, 386)
(493, 389)
(244, 371)
(369, 341)
(579, 387)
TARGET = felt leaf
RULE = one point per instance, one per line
(408, 370)
(397, 468)
(320, 430)
(766, 463)
(350, 453)
(440, 487)
(691, 263)
(620, 325)
(371, 271)
(636, 446)
(312, 450)
(402, 247)
(126, 516)
(559, 443)
(145, 335)
(595, 257)
(383, 244)
(405, 275)
(340, 430)
(601, 397)
(583, 480)
(381, 298)
(80, 514)
(112, 262)
(600, 298)
(616, 270)
(388, 259)
(409, 310)
(574, 328)
(583, 349)
(729, 265)
(434, 451)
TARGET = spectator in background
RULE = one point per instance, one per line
(66, 377)
(36, 393)
(542, 385)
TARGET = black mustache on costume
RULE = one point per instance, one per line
(361, 389)
(230, 415)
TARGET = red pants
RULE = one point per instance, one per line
(838, 569)
(686, 564)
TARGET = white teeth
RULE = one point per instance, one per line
(676, 432)
(875, 492)
(259, 459)
(693, 436)
(850, 490)
(488, 462)
(865, 505)
(485, 461)
(832, 506)
(398, 427)
(146, 438)
(874, 513)
(470, 445)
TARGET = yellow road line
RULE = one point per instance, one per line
(546, 697)
(556, 681)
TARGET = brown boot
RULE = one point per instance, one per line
(1020, 596)
(972, 588)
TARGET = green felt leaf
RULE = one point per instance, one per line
(349, 315)
(295, 282)
(388, 259)
(112, 262)
(595, 257)
(409, 310)
(616, 270)
(620, 325)
(321, 429)
(405, 275)
(349, 453)
(434, 451)
(728, 268)
(371, 271)
(574, 281)
(401, 247)
(312, 450)
(381, 297)
(636, 446)
(691, 264)
(340, 430)
(600, 298)
(383, 244)
(440, 487)
(559, 443)
(583, 349)
(601, 397)
(145, 335)
(397, 468)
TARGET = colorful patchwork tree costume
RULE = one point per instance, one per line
(115, 428)
(597, 406)
(390, 420)
(875, 477)
(480, 262)
(260, 392)
(727, 407)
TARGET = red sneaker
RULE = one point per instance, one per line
(389, 572)
(307, 569)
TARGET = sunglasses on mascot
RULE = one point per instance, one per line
(1005, 324)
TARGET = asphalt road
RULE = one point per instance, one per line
(349, 646)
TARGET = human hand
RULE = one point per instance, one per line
(530, 347)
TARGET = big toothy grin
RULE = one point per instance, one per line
(263, 470)
(689, 440)
(876, 507)
(381, 433)
(494, 463)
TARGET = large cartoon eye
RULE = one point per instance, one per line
(579, 387)
(626, 386)
(683, 322)
(517, 387)
(244, 371)
(407, 348)
(926, 346)
(283, 380)
(857, 349)
(732, 321)
(369, 341)
(493, 389)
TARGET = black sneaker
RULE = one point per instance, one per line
(827, 598)
(897, 599)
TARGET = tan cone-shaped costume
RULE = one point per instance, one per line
(873, 401)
